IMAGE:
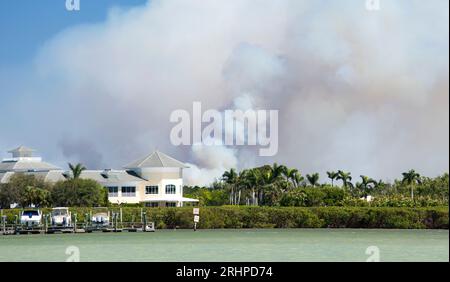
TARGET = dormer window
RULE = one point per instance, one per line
(105, 173)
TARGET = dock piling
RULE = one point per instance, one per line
(4, 223)
(74, 223)
(46, 223)
(144, 221)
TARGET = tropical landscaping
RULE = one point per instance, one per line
(273, 186)
(264, 197)
(278, 185)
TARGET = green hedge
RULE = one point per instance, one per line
(284, 217)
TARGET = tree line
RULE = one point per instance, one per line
(275, 185)
(269, 185)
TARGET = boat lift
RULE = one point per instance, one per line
(106, 221)
(59, 221)
(112, 222)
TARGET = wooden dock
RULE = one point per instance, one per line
(86, 227)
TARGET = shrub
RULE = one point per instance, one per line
(280, 217)
(79, 192)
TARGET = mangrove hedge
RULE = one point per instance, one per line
(280, 217)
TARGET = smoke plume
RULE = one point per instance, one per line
(365, 91)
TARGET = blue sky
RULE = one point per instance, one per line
(26, 24)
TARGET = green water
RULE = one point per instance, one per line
(232, 245)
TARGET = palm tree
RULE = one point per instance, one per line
(366, 185)
(411, 177)
(357, 189)
(380, 183)
(345, 177)
(332, 175)
(231, 178)
(278, 170)
(313, 179)
(76, 170)
(352, 188)
(298, 179)
(292, 175)
(270, 187)
(255, 179)
(380, 186)
(243, 184)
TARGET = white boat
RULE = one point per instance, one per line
(100, 218)
(61, 216)
(31, 217)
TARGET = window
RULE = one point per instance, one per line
(171, 204)
(113, 191)
(128, 191)
(151, 190)
(152, 204)
(30, 213)
(170, 189)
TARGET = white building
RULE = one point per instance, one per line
(156, 180)
(22, 161)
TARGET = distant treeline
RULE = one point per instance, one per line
(278, 185)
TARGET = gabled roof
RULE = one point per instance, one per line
(156, 159)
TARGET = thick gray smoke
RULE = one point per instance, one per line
(365, 91)
(81, 151)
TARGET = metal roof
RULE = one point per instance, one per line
(110, 176)
(25, 165)
(156, 159)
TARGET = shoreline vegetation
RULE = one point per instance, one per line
(271, 196)
(238, 217)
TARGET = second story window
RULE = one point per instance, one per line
(128, 191)
(113, 191)
(170, 189)
(151, 190)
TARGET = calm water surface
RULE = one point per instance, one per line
(232, 245)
